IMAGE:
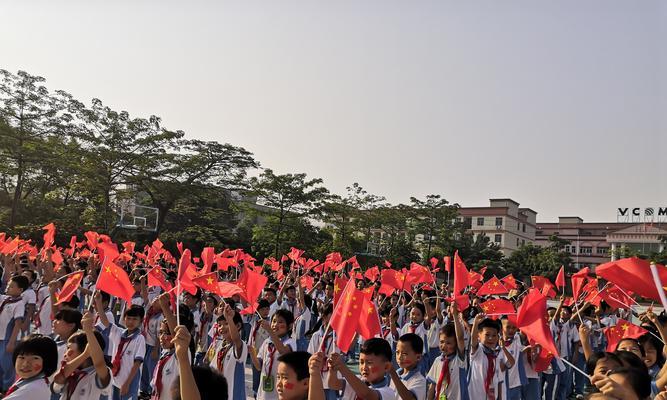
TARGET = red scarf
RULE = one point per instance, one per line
(158, 378)
(72, 381)
(444, 376)
(220, 360)
(115, 365)
(490, 371)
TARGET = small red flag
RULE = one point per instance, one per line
(372, 273)
(622, 330)
(531, 320)
(307, 282)
(92, 238)
(49, 235)
(434, 262)
(56, 259)
(11, 246)
(448, 263)
(186, 273)
(498, 307)
(156, 278)
(633, 275)
(492, 286)
(615, 297)
(578, 281)
(509, 282)
(208, 282)
(128, 247)
(207, 255)
(345, 318)
(460, 275)
(339, 284)
(252, 284)
(69, 287)
(560, 279)
(369, 320)
(114, 280)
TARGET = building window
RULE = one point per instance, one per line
(524, 227)
(517, 242)
(480, 221)
(603, 250)
(586, 250)
(467, 223)
(499, 221)
(497, 238)
(571, 249)
(523, 242)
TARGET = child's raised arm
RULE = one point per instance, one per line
(181, 342)
(94, 350)
(315, 384)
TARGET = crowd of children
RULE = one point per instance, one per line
(199, 346)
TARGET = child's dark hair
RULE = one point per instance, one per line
(416, 342)
(212, 298)
(272, 290)
(106, 297)
(568, 308)
(636, 341)
(631, 360)
(81, 340)
(210, 383)
(70, 316)
(72, 303)
(21, 281)
(308, 301)
(448, 330)
(420, 307)
(38, 345)
(236, 319)
(327, 310)
(135, 311)
(489, 323)
(656, 343)
(377, 347)
(592, 362)
(298, 361)
(263, 303)
(639, 380)
(287, 316)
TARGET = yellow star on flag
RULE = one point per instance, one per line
(209, 280)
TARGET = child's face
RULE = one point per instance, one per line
(72, 351)
(416, 315)
(406, 356)
(291, 293)
(651, 354)
(270, 297)
(189, 300)
(565, 314)
(132, 323)
(488, 337)
(605, 365)
(509, 329)
(165, 336)
(287, 384)
(62, 328)
(447, 344)
(264, 312)
(373, 367)
(386, 320)
(28, 365)
(209, 306)
(223, 329)
(631, 346)
(13, 289)
(279, 325)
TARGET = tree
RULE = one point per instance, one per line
(531, 259)
(478, 251)
(283, 201)
(435, 219)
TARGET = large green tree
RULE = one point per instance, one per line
(435, 219)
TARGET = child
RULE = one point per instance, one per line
(514, 378)
(408, 381)
(371, 384)
(34, 359)
(229, 354)
(106, 299)
(206, 323)
(419, 327)
(151, 325)
(85, 374)
(42, 316)
(277, 344)
(447, 375)
(257, 336)
(12, 311)
(329, 347)
(292, 376)
(302, 323)
(566, 338)
(65, 323)
(486, 360)
(129, 348)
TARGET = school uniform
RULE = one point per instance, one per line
(268, 356)
(137, 300)
(414, 381)
(419, 330)
(35, 388)
(433, 342)
(225, 360)
(381, 388)
(329, 347)
(151, 326)
(256, 337)
(83, 384)
(12, 311)
(126, 349)
(301, 326)
(514, 378)
(565, 334)
(105, 333)
(482, 376)
(42, 317)
(165, 373)
(291, 306)
(448, 374)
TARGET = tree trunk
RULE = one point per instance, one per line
(20, 166)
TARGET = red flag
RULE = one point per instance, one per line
(208, 282)
(448, 263)
(492, 286)
(543, 357)
(11, 246)
(613, 296)
(228, 289)
(509, 282)
(179, 246)
(578, 281)
(307, 282)
(186, 273)
(460, 275)
(531, 320)
(295, 254)
(128, 247)
(498, 307)
(560, 279)
(49, 235)
(339, 284)
(634, 275)
(622, 330)
(155, 278)
(252, 284)
(207, 255)
(57, 260)
(391, 280)
(108, 251)
(92, 238)
(114, 280)
(483, 271)
(372, 273)
(369, 320)
(345, 317)
(418, 274)
(69, 287)
(462, 301)
(434, 262)
(72, 246)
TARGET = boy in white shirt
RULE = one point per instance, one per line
(12, 311)
(514, 377)
(486, 359)
(448, 376)
(293, 377)
(408, 381)
(229, 353)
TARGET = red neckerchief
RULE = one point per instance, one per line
(15, 386)
(38, 319)
(413, 327)
(220, 360)
(490, 371)
(147, 319)
(444, 376)
(158, 378)
(7, 301)
(272, 351)
(72, 381)
(115, 365)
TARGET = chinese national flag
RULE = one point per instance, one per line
(492, 286)
(128, 247)
(92, 238)
(448, 263)
(49, 235)
(418, 274)
(462, 301)
(186, 273)
(369, 320)
(613, 296)
(345, 318)
(543, 357)
(372, 273)
(11, 246)
(498, 307)
(339, 285)
(252, 283)
(114, 280)
(460, 275)
(155, 278)
(578, 281)
(207, 256)
(108, 251)
(307, 282)
(56, 259)
(622, 330)
(69, 287)
(228, 289)
(633, 275)
(509, 282)
(208, 282)
(72, 246)
(391, 280)
(531, 320)
(560, 279)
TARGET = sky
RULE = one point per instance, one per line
(561, 106)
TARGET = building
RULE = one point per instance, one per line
(503, 222)
(594, 243)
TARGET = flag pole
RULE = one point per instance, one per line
(575, 368)
(178, 300)
(658, 285)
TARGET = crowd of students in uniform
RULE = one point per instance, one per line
(95, 346)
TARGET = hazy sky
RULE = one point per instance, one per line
(561, 106)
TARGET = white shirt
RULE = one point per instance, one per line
(565, 335)
(383, 389)
(169, 374)
(269, 361)
(513, 373)
(420, 331)
(11, 312)
(152, 329)
(89, 387)
(35, 388)
(233, 368)
(414, 381)
(315, 345)
(135, 349)
(478, 370)
(43, 311)
(458, 379)
(433, 334)
(29, 296)
(302, 324)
